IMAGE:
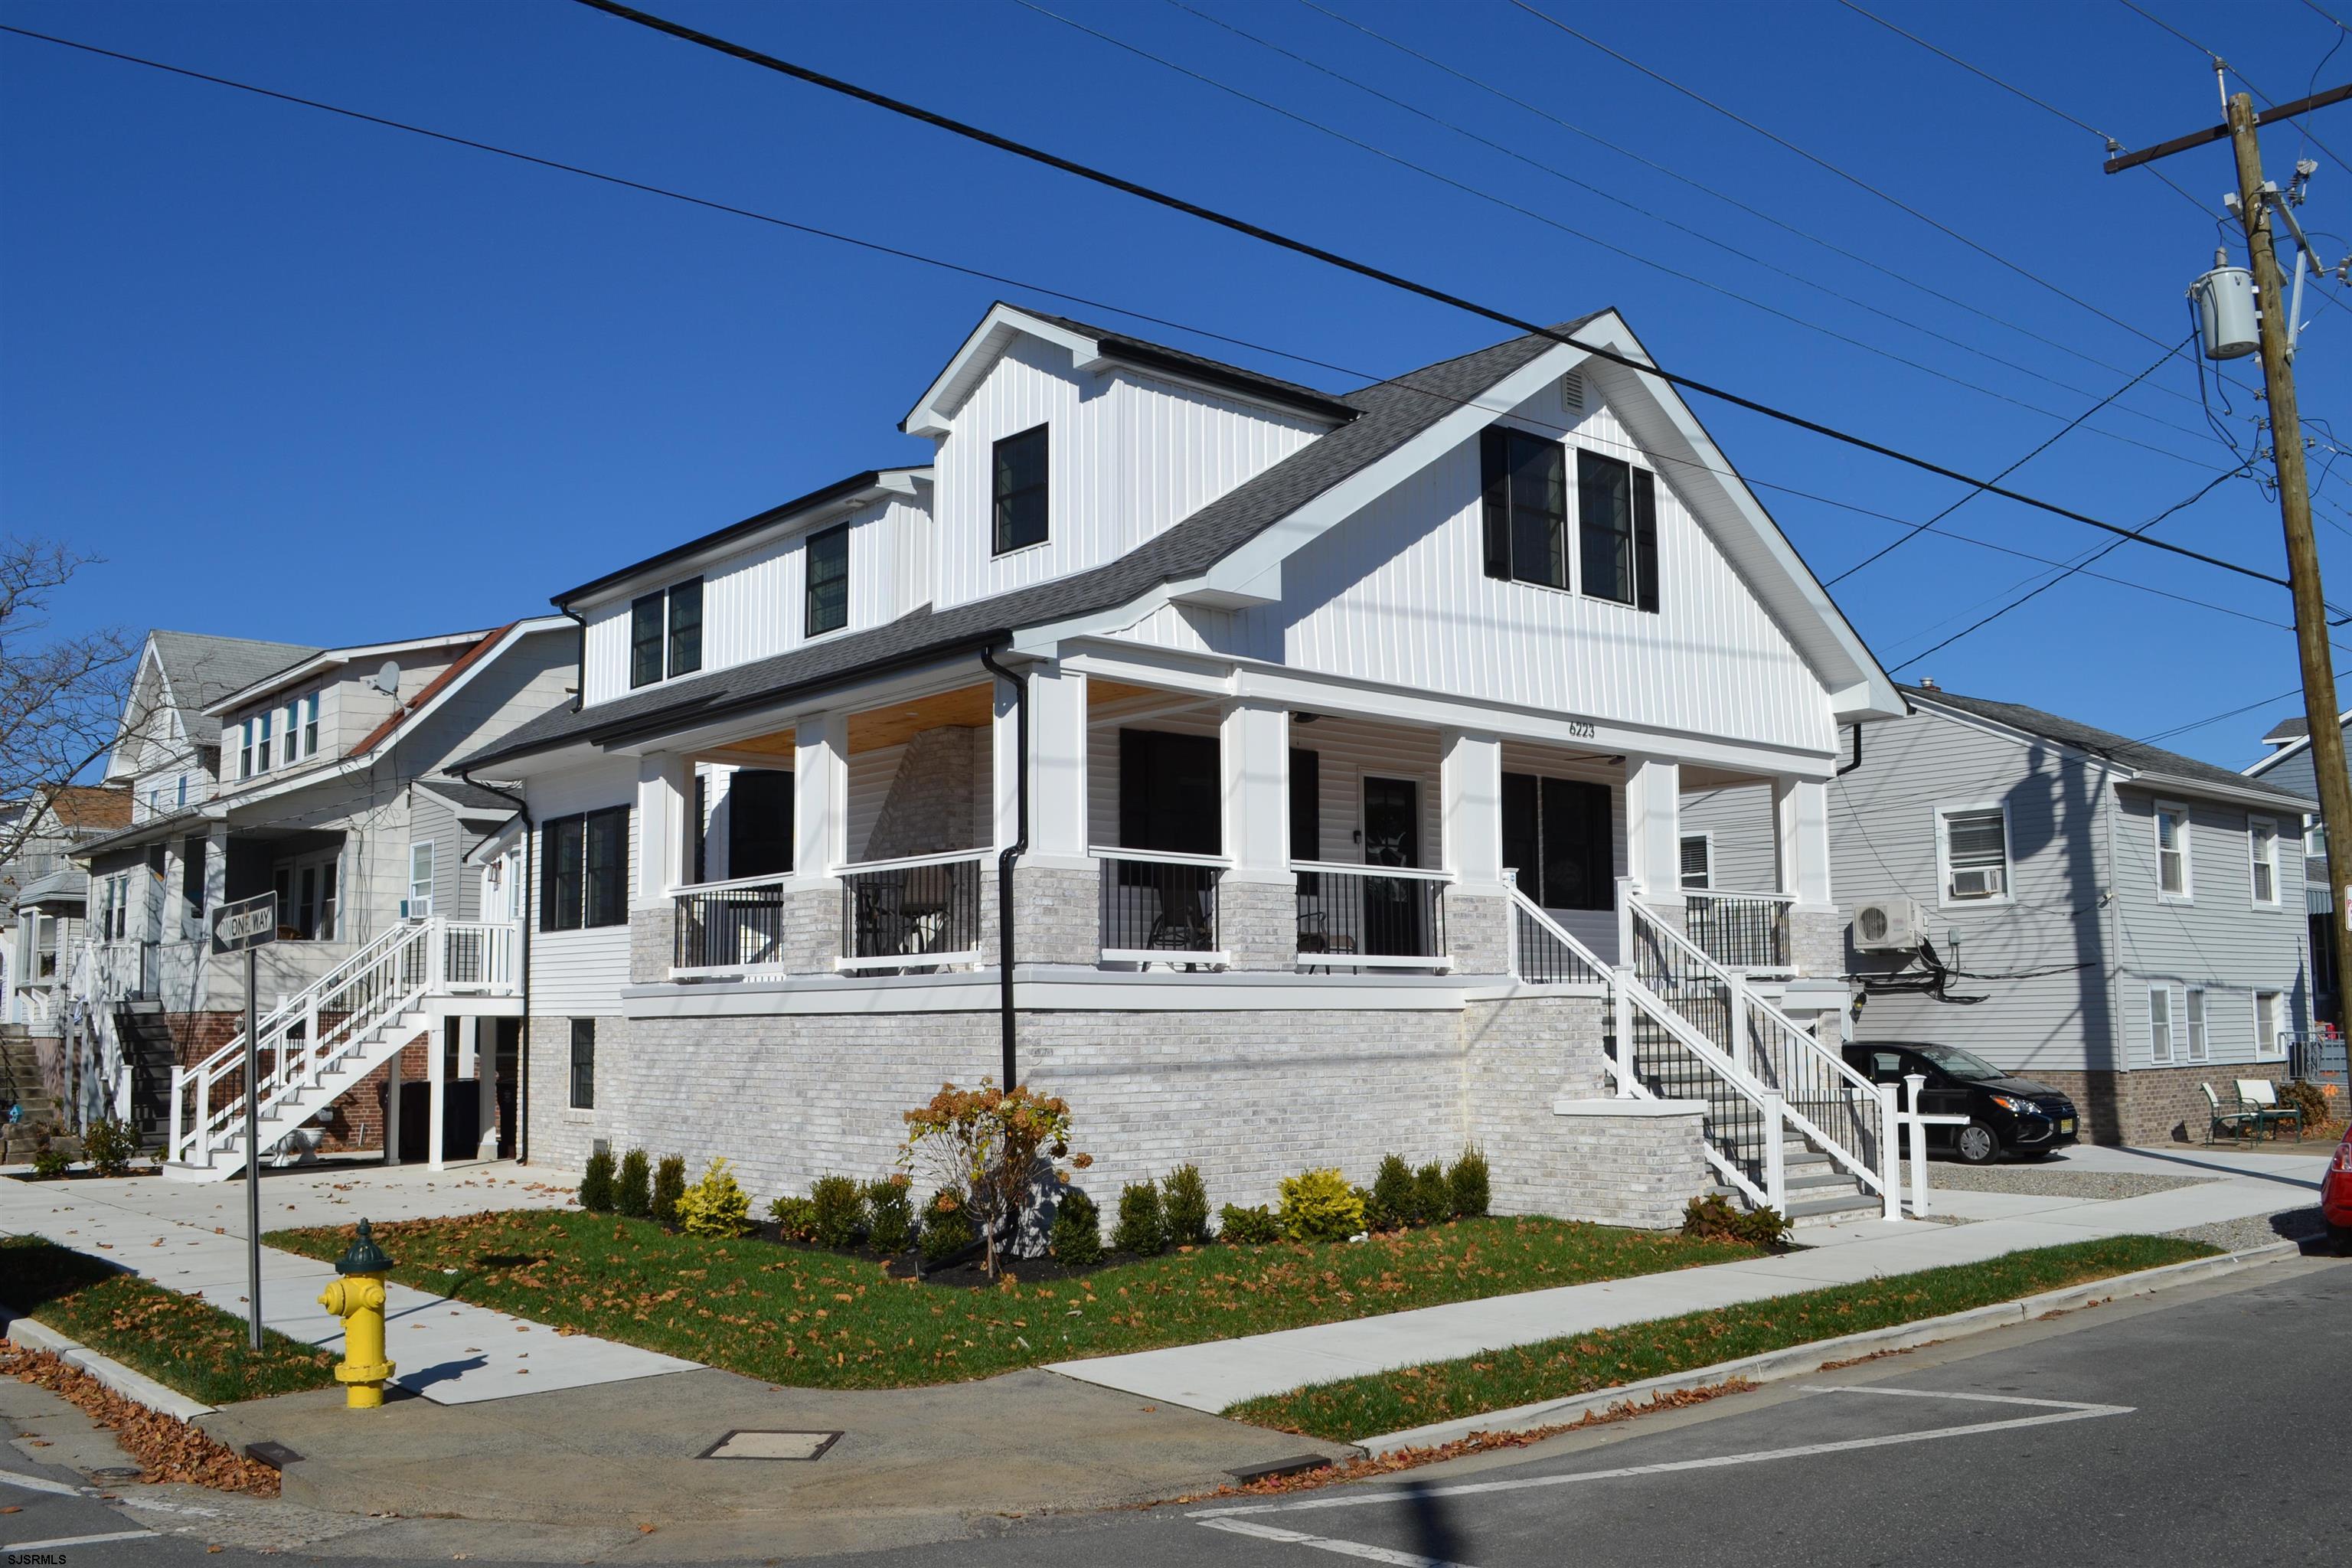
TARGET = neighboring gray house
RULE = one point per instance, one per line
(2289, 767)
(2117, 919)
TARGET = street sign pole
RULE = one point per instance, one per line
(243, 927)
(252, 1151)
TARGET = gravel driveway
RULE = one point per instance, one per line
(2044, 1181)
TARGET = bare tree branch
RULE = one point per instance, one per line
(61, 699)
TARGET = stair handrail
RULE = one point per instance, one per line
(1552, 929)
(1834, 1069)
(1746, 1007)
(287, 1073)
(1773, 1193)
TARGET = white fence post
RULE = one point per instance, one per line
(1890, 1157)
(1621, 1001)
(1776, 1170)
(1915, 1082)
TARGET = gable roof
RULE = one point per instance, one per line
(2286, 729)
(2138, 756)
(2285, 745)
(199, 671)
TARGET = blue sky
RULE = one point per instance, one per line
(300, 378)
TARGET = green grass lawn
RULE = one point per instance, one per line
(179, 1341)
(1608, 1358)
(817, 1319)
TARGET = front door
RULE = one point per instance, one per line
(1393, 922)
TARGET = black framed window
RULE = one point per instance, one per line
(583, 870)
(1524, 479)
(1557, 833)
(583, 1063)
(826, 603)
(1169, 796)
(1617, 531)
(759, 823)
(1018, 489)
(666, 633)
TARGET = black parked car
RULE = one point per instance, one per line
(2006, 1114)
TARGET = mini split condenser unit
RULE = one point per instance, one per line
(1888, 925)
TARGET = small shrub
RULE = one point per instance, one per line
(1469, 1183)
(947, 1227)
(1320, 1206)
(717, 1205)
(795, 1219)
(109, 1146)
(889, 1217)
(1253, 1227)
(1711, 1217)
(596, 1184)
(2306, 1098)
(1184, 1207)
(669, 1185)
(1142, 1229)
(1392, 1198)
(1077, 1230)
(840, 1211)
(49, 1163)
(633, 1193)
(1432, 1199)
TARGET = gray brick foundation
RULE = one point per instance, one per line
(1478, 934)
(1626, 1169)
(1257, 922)
(651, 936)
(1817, 942)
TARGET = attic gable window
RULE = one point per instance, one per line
(1524, 480)
(1017, 489)
(826, 593)
(666, 633)
(1617, 531)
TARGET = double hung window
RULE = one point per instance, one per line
(666, 633)
(1017, 489)
(2173, 872)
(1524, 480)
(584, 870)
(1976, 853)
(2262, 848)
(1617, 531)
(826, 599)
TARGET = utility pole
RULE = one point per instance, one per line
(2294, 490)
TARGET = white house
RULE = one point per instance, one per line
(1332, 743)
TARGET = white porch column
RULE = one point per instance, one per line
(436, 1115)
(1478, 922)
(1257, 896)
(1058, 771)
(1800, 819)
(665, 797)
(819, 795)
(1653, 829)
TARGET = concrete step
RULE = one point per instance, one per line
(1820, 1211)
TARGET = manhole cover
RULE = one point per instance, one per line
(740, 1445)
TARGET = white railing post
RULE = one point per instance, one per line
(178, 1084)
(1913, 1083)
(1625, 921)
(1742, 1043)
(1621, 1002)
(1776, 1161)
(1510, 904)
(1890, 1156)
(436, 965)
(311, 1035)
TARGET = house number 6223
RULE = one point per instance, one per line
(1580, 731)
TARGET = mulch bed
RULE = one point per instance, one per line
(167, 1448)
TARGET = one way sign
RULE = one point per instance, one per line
(248, 923)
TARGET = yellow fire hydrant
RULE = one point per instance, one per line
(358, 1299)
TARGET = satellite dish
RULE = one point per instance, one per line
(387, 680)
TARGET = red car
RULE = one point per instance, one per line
(2335, 1190)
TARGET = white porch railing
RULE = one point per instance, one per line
(920, 912)
(1740, 931)
(1160, 907)
(1370, 917)
(334, 1028)
(1543, 951)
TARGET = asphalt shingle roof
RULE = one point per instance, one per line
(2136, 755)
(1387, 416)
(2293, 728)
(202, 670)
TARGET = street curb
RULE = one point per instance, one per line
(131, 1384)
(1803, 1360)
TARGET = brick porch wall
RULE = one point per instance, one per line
(2154, 1105)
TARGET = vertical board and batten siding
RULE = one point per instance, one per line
(580, 973)
(1883, 843)
(2220, 939)
(1398, 593)
(1739, 819)
(753, 602)
(1129, 456)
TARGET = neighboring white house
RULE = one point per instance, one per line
(1347, 718)
(2114, 919)
(322, 776)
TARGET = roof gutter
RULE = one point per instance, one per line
(1009, 858)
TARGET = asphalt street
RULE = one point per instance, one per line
(2202, 1425)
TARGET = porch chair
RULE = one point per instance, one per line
(2260, 1096)
(1182, 924)
(2237, 1123)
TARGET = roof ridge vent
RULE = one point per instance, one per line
(1571, 392)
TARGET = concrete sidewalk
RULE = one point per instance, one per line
(191, 1237)
(1220, 1373)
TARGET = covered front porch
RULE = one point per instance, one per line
(1175, 826)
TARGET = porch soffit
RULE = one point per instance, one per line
(966, 708)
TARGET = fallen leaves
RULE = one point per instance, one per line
(167, 1448)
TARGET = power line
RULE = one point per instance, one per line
(1380, 275)
(2221, 64)
(2042, 588)
(1853, 179)
(1905, 278)
(920, 258)
(2294, 690)
(1550, 222)
(2162, 360)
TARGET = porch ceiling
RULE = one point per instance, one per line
(965, 708)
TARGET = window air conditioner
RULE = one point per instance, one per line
(1887, 925)
(1984, 882)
